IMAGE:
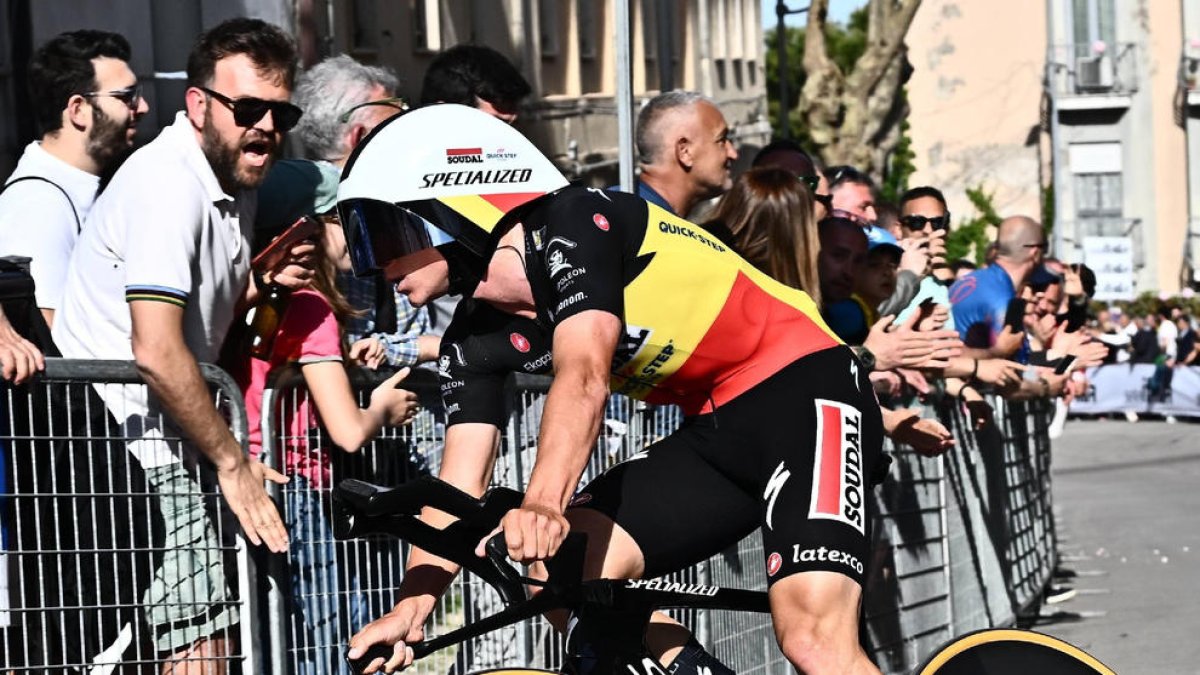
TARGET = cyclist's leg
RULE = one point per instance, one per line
(656, 513)
(816, 434)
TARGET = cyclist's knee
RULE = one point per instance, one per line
(816, 622)
(611, 551)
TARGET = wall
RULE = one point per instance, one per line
(975, 95)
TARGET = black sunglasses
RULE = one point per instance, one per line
(824, 200)
(130, 96)
(918, 222)
(248, 111)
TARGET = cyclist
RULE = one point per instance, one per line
(783, 433)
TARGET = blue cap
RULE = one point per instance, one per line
(878, 237)
(295, 188)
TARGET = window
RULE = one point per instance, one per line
(1094, 20)
(1098, 204)
(426, 25)
(364, 39)
(548, 27)
(588, 24)
(1096, 168)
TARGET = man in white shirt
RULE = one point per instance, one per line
(87, 103)
(156, 278)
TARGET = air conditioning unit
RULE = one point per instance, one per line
(1093, 73)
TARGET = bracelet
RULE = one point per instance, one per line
(974, 370)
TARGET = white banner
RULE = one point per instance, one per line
(1118, 388)
(1111, 258)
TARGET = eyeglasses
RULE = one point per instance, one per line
(1044, 246)
(247, 111)
(824, 200)
(130, 96)
(393, 102)
(918, 222)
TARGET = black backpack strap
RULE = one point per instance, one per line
(74, 211)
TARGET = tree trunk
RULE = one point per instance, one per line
(854, 118)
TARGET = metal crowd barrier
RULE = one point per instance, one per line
(961, 542)
(91, 567)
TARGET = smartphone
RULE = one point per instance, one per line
(270, 257)
(1014, 318)
(1064, 364)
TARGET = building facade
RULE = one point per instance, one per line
(1080, 112)
(565, 48)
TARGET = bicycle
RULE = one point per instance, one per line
(611, 615)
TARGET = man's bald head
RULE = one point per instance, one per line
(1020, 239)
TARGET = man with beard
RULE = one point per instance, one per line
(87, 103)
(156, 278)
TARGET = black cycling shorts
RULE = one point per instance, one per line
(795, 455)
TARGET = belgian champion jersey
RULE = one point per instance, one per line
(701, 325)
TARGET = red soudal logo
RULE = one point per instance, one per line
(520, 342)
(837, 484)
(600, 221)
(464, 156)
(774, 562)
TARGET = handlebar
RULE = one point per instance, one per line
(362, 508)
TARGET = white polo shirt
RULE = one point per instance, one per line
(164, 230)
(37, 220)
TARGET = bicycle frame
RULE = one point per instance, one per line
(609, 616)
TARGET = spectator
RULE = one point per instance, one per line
(480, 77)
(769, 213)
(684, 151)
(874, 283)
(476, 76)
(1143, 346)
(980, 300)
(87, 103)
(1167, 334)
(925, 219)
(343, 101)
(888, 217)
(788, 155)
(843, 252)
(310, 336)
(155, 278)
(1186, 344)
(853, 194)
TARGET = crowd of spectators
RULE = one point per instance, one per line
(155, 268)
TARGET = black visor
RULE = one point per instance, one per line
(378, 233)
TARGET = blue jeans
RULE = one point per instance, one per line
(325, 609)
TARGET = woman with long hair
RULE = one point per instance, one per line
(770, 213)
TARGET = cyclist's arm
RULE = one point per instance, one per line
(583, 349)
(467, 464)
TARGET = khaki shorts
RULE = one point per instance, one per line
(189, 598)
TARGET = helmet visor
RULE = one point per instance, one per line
(378, 233)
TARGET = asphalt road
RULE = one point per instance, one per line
(1127, 500)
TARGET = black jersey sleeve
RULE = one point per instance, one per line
(482, 345)
(586, 236)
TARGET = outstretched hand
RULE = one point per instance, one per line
(927, 436)
(906, 347)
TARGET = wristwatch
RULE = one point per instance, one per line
(865, 357)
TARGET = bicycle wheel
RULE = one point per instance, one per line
(1008, 651)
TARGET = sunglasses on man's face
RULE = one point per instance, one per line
(247, 111)
(824, 200)
(131, 96)
(919, 222)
